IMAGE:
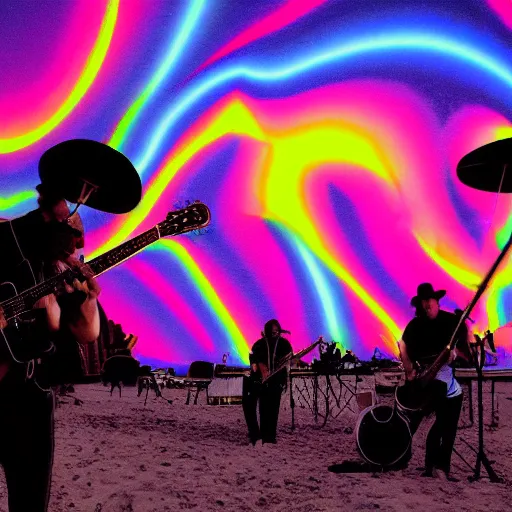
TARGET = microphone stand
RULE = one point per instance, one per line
(481, 458)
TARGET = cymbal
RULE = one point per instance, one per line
(68, 166)
(483, 168)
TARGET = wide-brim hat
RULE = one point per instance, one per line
(426, 291)
(68, 166)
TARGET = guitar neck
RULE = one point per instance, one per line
(194, 216)
(288, 357)
(26, 300)
(431, 372)
(124, 251)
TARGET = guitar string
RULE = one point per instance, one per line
(51, 283)
(18, 299)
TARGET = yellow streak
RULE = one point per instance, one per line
(465, 277)
(94, 62)
(210, 296)
(292, 155)
(234, 119)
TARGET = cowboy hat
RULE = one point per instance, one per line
(426, 291)
(74, 166)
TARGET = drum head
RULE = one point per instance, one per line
(383, 436)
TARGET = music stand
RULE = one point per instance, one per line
(481, 457)
(485, 169)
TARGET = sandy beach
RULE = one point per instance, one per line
(116, 454)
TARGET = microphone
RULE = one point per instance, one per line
(284, 331)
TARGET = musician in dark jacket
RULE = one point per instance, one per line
(265, 356)
(424, 339)
(35, 247)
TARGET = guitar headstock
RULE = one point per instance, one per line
(194, 216)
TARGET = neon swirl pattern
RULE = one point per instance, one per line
(323, 137)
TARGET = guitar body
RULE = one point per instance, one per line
(419, 394)
(26, 336)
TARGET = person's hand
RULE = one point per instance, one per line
(90, 286)
(264, 370)
(410, 375)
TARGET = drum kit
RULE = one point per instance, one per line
(383, 434)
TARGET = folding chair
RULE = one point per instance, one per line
(199, 376)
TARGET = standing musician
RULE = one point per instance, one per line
(423, 340)
(265, 356)
(35, 247)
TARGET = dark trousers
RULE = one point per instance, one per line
(26, 444)
(269, 396)
(441, 436)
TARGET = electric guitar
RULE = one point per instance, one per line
(23, 340)
(283, 363)
(415, 394)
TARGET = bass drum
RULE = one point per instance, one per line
(383, 436)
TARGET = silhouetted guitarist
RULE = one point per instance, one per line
(33, 246)
(425, 337)
(265, 356)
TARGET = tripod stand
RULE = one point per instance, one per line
(481, 457)
(145, 381)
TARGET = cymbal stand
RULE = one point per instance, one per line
(481, 458)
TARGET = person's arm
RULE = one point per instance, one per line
(82, 318)
(263, 369)
(462, 347)
(252, 361)
(52, 311)
(85, 325)
(410, 371)
(258, 364)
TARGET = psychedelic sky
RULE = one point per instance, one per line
(323, 134)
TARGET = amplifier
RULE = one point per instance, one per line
(222, 370)
(225, 391)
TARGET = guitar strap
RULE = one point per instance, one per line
(23, 258)
(271, 362)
